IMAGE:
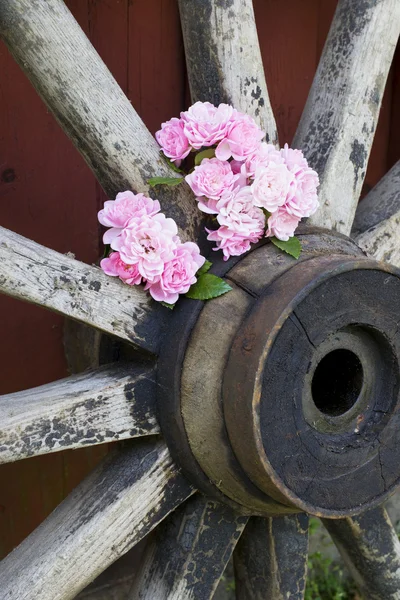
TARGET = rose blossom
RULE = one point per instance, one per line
(271, 186)
(207, 206)
(241, 140)
(293, 158)
(237, 211)
(211, 178)
(178, 275)
(303, 202)
(236, 166)
(205, 124)
(117, 213)
(173, 140)
(239, 168)
(282, 225)
(241, 223)
(232, 243)
(114, 266)
(261, 157)
(148, 242)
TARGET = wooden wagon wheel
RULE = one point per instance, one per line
(280, 398)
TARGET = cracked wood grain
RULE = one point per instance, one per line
(208, 439)
(107, 514)
(109, 404)
(189, 553)
(31, 272)
(339, 121)
(73, 81)
(370, 548)
(224, 59)
(271, 558)
(376, 227)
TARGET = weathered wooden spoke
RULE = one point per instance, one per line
(224, 59)
(31, 272)
(189, 552)
(107, 514)
(113, 403)
(376, 226)
(241, 402)
(370, 547)
(271, 558)
(67, 72)
(340, 117)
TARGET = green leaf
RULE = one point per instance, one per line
(206, 267)
(208, 286)
(208, 153)
(171, 163)
(164, 181)
(107, 250)
(266, 213)
(292, 246)
(170, 306)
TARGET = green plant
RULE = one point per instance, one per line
(326, 580)
(314, 525)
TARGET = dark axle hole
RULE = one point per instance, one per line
(337, 382)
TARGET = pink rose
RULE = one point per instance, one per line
(117, 213)
(263, 155)
(237, 212)
(282, 225)
(211, 178)
(241, 223)
(241, 139)
(114, 266)
(207, 206)
(149, 243)
(230, 242)
(236, 166)
(293, 158)
(303, 202)
(178, 275)
(173, 140)
(205, 124)
(239, 168)
(271, 186)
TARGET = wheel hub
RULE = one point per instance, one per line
(283, 394)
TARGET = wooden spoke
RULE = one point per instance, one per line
(67, 72)
(380, 204)
(271, 558)
(340, 117)
(116, 581)
(107, 514)
(189, 553)
(376, 227)
(113, 403)
(370, 548)
(117, 590)
(224, 59)
(31, 272)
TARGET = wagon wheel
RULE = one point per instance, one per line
(280, 398)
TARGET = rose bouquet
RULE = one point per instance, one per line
(249, 189)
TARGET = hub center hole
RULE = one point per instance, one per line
(337, 382)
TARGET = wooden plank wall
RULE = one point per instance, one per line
(48, 194)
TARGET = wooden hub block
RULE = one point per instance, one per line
(283, 395)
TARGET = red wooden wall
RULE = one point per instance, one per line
(47, 192)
